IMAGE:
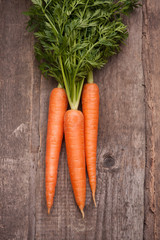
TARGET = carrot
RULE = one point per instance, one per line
(91, 42)
(57, 108)
(74, 138)
(90, 107)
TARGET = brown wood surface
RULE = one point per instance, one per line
(128, 192)
(151, 61)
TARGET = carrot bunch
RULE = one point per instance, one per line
(72, 38)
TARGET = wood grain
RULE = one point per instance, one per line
(120, 158)
(151, 58)
(24, 97)
(16, 69)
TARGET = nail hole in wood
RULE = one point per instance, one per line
(108, 161)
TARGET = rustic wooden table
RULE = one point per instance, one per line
(128, 163)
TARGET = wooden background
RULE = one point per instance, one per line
(128, 162)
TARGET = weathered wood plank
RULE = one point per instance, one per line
(120, 157)
(151, 58)
(121, 144)
(16, 85)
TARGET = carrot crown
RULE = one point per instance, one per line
(75, 36)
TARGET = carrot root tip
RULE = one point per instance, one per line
(49, 209)
(94, 200)
(82, 213)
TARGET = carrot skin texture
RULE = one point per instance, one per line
(90, 107)
(74, 138)
(57, 107)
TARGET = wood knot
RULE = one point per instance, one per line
(108, 160)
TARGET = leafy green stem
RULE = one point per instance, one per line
(65, 83)
(47, 4)
(80, 62)
(52, 25)
(74, 37)
(59, 85)
(90, 77)
(85, 8)
(79, 93)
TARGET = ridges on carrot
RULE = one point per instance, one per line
(57, 108)
(74, 138)
(90, 107)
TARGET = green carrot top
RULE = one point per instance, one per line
(75, 36)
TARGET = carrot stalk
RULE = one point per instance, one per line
(74, 138)
(90, 106)
(57, 108)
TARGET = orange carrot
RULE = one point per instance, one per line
(74, 138)
(57, 108)
(90, 106)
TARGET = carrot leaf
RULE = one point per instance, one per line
(75, 36)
